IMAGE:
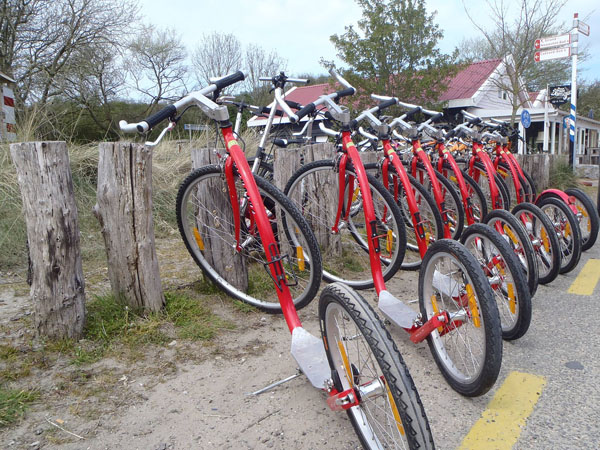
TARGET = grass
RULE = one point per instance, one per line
(562, 176)
(13, 404)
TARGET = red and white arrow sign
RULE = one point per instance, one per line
(553, 53)
(552, 41)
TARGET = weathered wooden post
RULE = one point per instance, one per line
(216, 194)
(57, 287)
(124, 210)
(322, 189)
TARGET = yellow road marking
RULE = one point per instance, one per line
(501, 423)
(587, 279)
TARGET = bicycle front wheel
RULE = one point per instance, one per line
(506, 278)
(566, 227)
(543, 238)
(206, 223)
(587, 216)
(515, 235)
(314, 189)
(363, 357)
(468, 351)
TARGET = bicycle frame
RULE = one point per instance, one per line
(479, 154)
(445, 156)
(419, 155)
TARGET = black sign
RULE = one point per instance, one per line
(560, 94)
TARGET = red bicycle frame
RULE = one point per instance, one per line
(238, 157)
(419, 155)
(479, 154)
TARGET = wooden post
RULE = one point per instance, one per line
(124, 210)
(322, 188)
(57, 287)
(217, 195)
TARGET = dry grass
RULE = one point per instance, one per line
(171, 163)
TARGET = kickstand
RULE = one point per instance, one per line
(277, 383)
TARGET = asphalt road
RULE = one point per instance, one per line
(562, 346)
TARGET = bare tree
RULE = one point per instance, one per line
(217, 54)
(513, 35)
(258, 63)
(57, 33)
(157, 63)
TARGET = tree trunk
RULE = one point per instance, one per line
(124, 210)
(57, 284)
(216, 194)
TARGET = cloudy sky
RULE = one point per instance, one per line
(299, 30)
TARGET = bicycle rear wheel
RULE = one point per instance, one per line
(314, 189)
(566, 227)
(587, 216)
(206, 224)
(451, 198)
(468, 351)
(363, 357)
(506, 278)
(543, 238)
(517, 238)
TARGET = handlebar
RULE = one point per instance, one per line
(198, 97)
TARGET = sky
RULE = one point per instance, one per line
(299, 30)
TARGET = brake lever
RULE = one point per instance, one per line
(161, 135)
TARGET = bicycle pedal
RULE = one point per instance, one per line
(396, 310)
(309, 353)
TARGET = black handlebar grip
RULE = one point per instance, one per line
(437, 117)
(267, 110)
(387, 103)
(474, 121)
(346, 92)
(229, 80)
(293, 104)
(158, 117)
(304, 111)
(412, 112)
(450, 134)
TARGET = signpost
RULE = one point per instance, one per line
(552, 41)
(552, 53)
(555, 51)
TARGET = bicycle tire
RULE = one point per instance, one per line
(427, 209)
(474, 194)
(452, 200)
(509, 183)
(544, 240)
(567, 229)
(485, 187)
(587, 217)
(219, 233)
(532, 195)
(365, 354)
(489, 358)
(346, 259)
(517, 238)
(509, 278)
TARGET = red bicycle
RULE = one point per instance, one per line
(458, 316)
(355, 361)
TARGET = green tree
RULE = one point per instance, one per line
(589, 100)
(394, 51)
